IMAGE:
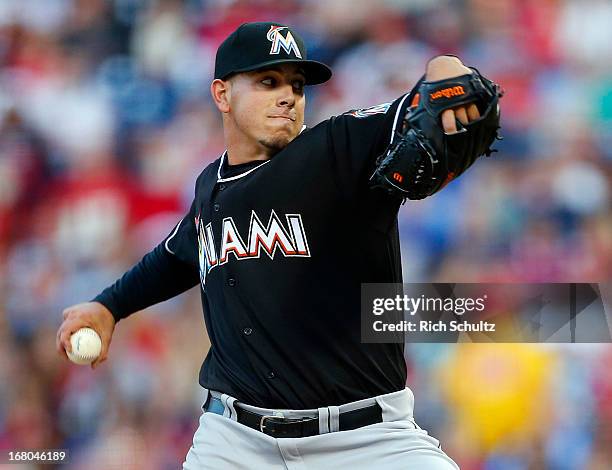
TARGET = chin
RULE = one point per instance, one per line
(277, 143)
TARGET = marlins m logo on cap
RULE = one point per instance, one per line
(286, 42)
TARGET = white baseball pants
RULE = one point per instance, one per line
(397, 443)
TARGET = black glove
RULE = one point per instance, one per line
(423, 158)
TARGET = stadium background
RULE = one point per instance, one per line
(105, 122)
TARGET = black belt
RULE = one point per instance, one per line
(276, 426)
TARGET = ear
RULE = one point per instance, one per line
(221, 94)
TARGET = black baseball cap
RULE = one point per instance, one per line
(255, 46)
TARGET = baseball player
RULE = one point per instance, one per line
(284, 227)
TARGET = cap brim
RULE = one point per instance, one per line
(314, 71)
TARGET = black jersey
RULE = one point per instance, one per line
(281, 248)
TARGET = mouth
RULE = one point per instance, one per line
(288, 118)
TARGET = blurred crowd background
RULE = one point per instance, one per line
(106, 120)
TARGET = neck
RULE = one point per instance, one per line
(244, 150)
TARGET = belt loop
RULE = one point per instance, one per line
(397, 405)
(323, 420)
(230, 410)
(334, 418)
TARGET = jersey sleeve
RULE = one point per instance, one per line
(182, 241)
(157, 277)
(168, 270)
(358, 137)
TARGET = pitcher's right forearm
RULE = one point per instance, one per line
(157, 277)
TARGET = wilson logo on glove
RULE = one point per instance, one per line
(448, 93)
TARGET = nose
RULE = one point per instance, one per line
(286, 97)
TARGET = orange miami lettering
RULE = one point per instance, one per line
(287, 238)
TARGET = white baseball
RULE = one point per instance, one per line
(86, 346)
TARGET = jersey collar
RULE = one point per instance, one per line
(232, 178)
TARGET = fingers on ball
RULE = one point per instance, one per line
(65, 339)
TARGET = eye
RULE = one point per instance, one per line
(298, 85)
(268, 81)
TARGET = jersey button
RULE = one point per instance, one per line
(247, 331)
(216, 207)
(231, 282)
(271, 374)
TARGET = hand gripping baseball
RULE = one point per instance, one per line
(425, 156)
(89, 314)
